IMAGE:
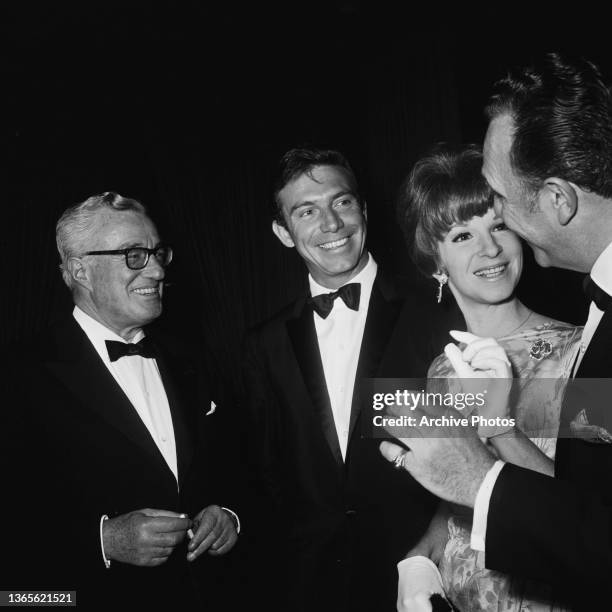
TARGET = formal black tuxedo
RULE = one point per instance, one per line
(80, 450)
(340, 526)
(560, 530)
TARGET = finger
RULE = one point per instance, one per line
(482, 344)
(167, 524)
(208, 530)
(168, 513)
(488, 350)
(203, 546)
(169, 539)
(455, 356)
(463, 336)
(222, 539)
(225, 547)
(390, 451)
(161, 552)
(496, 366)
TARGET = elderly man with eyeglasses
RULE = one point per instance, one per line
(126, 497)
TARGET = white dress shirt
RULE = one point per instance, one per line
(140, 380)
(339, 336)
(601, 273)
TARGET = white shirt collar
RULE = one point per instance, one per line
(601, 272)
(97, 332)
(365, 278)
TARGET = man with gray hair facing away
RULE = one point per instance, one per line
(119, 428)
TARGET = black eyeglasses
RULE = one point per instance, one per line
(137, 258)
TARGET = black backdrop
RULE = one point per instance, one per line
(187, 106)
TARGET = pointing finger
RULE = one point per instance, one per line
(463, 336)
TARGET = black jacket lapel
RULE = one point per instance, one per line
(306, 347)
(596, 360)
(179, 383)
(78, 366)
(383, 310)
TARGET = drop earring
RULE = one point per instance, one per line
(442, 279)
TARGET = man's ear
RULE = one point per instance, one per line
(282, 233)
(364, 210)
(77, 271)
(563, 198)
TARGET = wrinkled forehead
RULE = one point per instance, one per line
(116, 229)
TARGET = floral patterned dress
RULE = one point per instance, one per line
(547, 351)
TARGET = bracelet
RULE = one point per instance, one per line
(107, 562)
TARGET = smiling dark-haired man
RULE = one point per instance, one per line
(118, 473)
(342, 512)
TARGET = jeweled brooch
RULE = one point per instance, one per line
(540, 349)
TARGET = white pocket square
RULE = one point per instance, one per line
(213, 407)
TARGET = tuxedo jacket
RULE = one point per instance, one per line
(344, 525)
(80, 450)
(559, 530)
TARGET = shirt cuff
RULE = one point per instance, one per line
(107, 562)
(481, 507)
(235, 517)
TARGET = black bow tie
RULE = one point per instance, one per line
(324, 303)
(116, 349)
(596, 294)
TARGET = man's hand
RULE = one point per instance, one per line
(452, 468)
(213, 531)
(144, 537)
(445, 456)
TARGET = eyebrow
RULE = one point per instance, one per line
(132, 244)
(335, 196)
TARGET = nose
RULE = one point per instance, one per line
(489, 246)
(154, 269)
(331, 221)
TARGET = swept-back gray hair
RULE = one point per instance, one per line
(74, 229)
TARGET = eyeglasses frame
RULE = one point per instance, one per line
(125, 252)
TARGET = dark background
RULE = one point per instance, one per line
(187, 106)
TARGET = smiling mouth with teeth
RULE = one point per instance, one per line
(335, 243)
(147, 291)
(492, 272)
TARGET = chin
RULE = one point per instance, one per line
(150, 315)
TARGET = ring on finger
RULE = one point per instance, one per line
(399, 460)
